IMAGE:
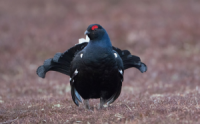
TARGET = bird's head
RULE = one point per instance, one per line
(95, 31)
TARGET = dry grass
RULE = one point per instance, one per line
(165, 34)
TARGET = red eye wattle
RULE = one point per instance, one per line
(94, 27)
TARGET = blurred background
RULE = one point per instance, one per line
(165, 34)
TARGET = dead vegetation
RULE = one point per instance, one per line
(165, 34)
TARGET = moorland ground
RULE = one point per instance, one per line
(165, 34)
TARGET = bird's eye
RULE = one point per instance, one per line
(94, 27)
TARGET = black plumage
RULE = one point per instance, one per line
(95, 68)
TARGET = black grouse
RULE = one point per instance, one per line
(95, 68)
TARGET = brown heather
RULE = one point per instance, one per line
(165, 34)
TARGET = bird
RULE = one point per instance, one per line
(96, 68)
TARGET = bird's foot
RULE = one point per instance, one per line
(101, 103)
(86, 104)
(100, 106)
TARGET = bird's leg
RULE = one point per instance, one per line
(86, 104)
(101, 103)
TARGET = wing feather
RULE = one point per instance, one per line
(130, 60)
(60, 62)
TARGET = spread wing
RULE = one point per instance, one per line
(60, 62)
(130, 60)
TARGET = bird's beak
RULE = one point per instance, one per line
(87, 32)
